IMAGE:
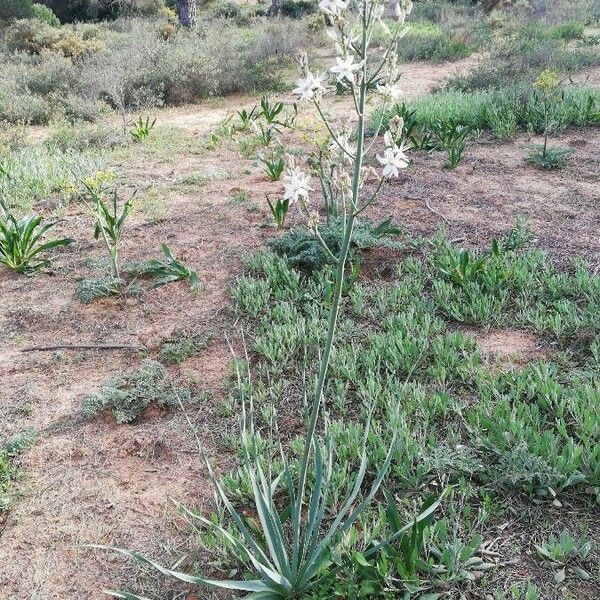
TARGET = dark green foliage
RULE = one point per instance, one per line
(505, 434)
(298, 8)
(302, 249)
(9, 465)
(16, 9)
(21, 242)
(45, 14)
(127, 395)
(165, 270)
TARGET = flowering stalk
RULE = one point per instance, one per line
(295, 544)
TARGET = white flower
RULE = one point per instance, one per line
(296, 184)
(390, 92)
(333, 8)
(392, 160)
(345, 67)
(388, 139)
(309, 87)
(342, 146)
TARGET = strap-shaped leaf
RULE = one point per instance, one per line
(255, 585)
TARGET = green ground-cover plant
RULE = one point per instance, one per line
(302, 248)
(34, 172)
(502, 433)
(165, 270)
(10, 467)
(127, 395)
(181, 346)
(564, 552)
(22, 244)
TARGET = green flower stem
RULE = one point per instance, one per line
(340, 272)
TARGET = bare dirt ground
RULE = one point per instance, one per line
(95, 482)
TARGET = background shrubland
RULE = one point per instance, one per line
(80, 71)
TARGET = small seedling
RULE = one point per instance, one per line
(168, 270)
(451, 136)
(279, 210)
(265, 135)
(109, 220)
(20, 241)
(140, 129)
(564, 552)
(247, 118)
(274, 167)
(270, 112)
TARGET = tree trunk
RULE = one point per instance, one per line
(275, 8)
(187, 13)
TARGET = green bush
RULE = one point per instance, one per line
(298, 8)
(44, 14)
(16, 9)
(35, 36)
(427, 41)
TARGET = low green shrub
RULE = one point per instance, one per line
(301, 248)
(181, 347)
(10, 467)
(127, 395)
(428, 41)
(45, 14)
(297, 9)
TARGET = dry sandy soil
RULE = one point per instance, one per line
(95, 482)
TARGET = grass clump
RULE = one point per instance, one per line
(95, 288)
(127, 395)
(503, 112)
(504, 433)
(36, 172)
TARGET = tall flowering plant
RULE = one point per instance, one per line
(298, 534)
